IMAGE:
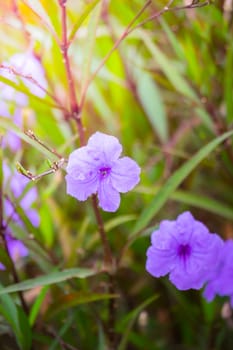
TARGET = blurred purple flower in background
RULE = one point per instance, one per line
(16, 249)
(12, 101)
(97, 168)
(16, 184)
(185, 250)
(221, 282)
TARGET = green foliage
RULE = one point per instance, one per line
(166, 91)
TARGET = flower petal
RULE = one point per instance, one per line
(81, 190)
(16, 249)
(159, 262)
(125, 174)
(79, 163)
(109, 148)
(184, 281)
(109, 198)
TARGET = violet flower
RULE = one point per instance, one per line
(221, 282)
(12, 101)
(185, 250)
(16, 183)
(16, 249)
(97, 168)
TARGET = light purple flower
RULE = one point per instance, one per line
(16, 184)
(12, 101)
(185, 250)
(221, 282)
(97, 168)
(16, 249)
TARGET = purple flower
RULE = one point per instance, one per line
(16, 184)
(97, 168)
(221, 282)
(185, 250)
(12, 101)
(16, 249)
(26, 64)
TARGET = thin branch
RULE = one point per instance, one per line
(171, 9)
(31, 134)
(30, 78)
(54, 167)
(64, 46)
(108, 258)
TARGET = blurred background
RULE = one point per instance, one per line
(165, 92)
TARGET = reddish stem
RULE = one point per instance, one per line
(74, 107)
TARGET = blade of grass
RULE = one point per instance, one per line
(87, 10)
(52, 278)
(90, 43)
(35, 309)
(196, 200)
(228, 84)
(23, 89)
(127, 323)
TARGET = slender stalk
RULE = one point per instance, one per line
(171, 9)
(31, 134)
(74, 107)
(108, 258)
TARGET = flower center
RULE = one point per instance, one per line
(184, 251)
(104, 172)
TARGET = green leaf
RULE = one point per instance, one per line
(37, 305)
(70, 300)
(17, 320)
(119, 220)
(174, 181)
(67, 325)
(168, 68)
(37, 7)
(152, 103)
(87, 10)
(206, 203)
(25, 337)
(127, 323)
(175, 77)
(47, 225)
(228, 84)
(51, 8)
(172, 38)
(52, 278)
(194, 199)
(22, 88)
(89, 47)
